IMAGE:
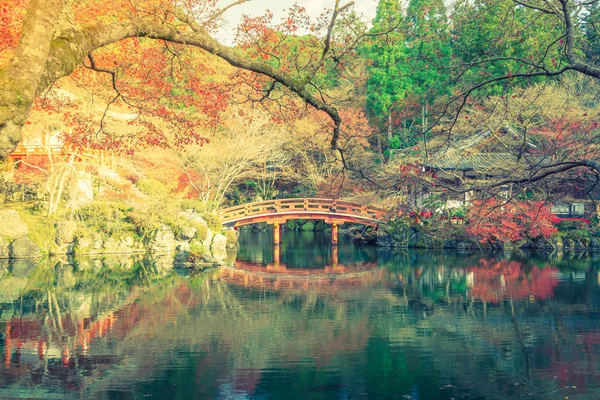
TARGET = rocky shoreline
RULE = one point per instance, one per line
(192, 239)
(193, 243)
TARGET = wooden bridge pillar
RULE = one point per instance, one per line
(334, 234)
(281, 233)
(276, 234)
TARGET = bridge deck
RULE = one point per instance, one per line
(302, 208)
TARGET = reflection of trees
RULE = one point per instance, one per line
(493, 281)
(200, 331)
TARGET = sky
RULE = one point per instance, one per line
(258, 7)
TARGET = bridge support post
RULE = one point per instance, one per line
(276, 234)
(334, 234)
(281, 233)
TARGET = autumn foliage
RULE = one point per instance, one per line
(495, 220)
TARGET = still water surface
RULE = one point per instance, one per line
(376, 325)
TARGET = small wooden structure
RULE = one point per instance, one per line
(45, 145)
(277, 212)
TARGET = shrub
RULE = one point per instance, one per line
(193, 204)
(196, 253)
(570, 225)
(231, 236)
(214, 224)
(491, 220)
(201, 231)
(460, 212)
(152, 187)
(145, 223)
(105, 216)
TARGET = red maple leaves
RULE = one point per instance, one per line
(494, 220)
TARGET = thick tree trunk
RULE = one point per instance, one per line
(19, 81)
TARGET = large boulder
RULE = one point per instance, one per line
(88, 242)
(187, 233)
(208, 239)
(12, 225)
(23, 247)
(163, 241)
(219, 242)
(193, 218)
(65, 232)
(125, 244)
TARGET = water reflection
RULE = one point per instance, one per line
(396, 325)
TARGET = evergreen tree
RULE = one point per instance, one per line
(429, 56)
(504, 32)
(592, 31)
(386, 65)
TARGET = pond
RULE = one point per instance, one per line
(309, 323)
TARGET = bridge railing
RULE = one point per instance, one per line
(287, 206)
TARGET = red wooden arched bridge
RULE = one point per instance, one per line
(277, 212)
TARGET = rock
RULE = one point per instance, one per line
(112, 245)
(12, 225)
(384, 239)
(65, 232)
(509, 245)
(187, 233)
(208, 240)
(182, 246)
(219, 242)
(450, 244)
(88, 242)
(524, 244)
(23, 247)
(463, 246)
(208, 259)
(3, 248)
(163, 241)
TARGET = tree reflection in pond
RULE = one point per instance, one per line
(418, 325)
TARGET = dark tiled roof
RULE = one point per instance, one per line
(478, 161)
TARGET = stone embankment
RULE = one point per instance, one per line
(404, 236)
(191, 236)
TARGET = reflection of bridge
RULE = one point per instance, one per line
(277, 212)
(279, 277)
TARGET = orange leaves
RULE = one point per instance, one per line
(355, 126)
(494, 220)
(11, 19)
